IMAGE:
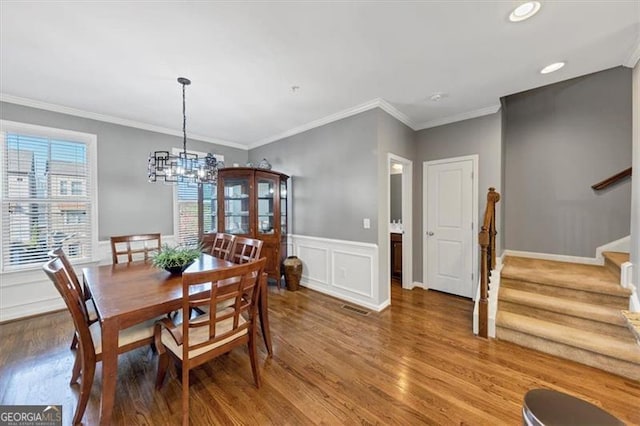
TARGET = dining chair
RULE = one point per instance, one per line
(131, 245)
(89, 336)
(92, 314)
(245, 250)
(199, 339)
(222, 245)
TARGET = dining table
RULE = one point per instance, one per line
(126, 294)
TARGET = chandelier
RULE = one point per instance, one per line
(184, 167)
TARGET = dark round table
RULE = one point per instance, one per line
(546, 407)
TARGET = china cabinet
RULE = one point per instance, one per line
(248, 202)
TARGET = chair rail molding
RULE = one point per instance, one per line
(347, 270)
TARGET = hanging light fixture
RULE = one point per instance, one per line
(184, 167)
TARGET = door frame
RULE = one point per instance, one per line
(474, 223)
(407, 221)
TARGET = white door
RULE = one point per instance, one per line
(449, 222)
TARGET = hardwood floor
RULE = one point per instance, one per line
(415, 363)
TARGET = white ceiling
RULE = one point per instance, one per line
(122, 59)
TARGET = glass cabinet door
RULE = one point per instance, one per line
(236, 205)
(209, 208)
(266, 204)
(283, 208)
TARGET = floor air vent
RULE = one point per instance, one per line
(356, 310)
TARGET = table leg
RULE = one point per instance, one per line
(263, 309)
(109, 370)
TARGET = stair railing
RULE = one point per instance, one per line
(487, 240)
(612, 180)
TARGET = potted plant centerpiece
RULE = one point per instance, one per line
(175, 259)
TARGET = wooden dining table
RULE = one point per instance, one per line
(126, 294)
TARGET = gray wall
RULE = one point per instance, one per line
(334, 177)
(127, 203)
(561, 139)
(396, 138)
(482, 136)
(395, 182)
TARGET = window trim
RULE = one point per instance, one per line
(91, 142)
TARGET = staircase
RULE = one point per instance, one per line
(569, 310)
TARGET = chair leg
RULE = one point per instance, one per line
(163, 362)
(88, 371)
(253, 356)
(74, 342)
(263, 312)
(77, 364)
(185, 396)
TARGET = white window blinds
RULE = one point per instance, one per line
(47, 195)
(186, 209)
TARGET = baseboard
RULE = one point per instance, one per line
(556, 257)
(622, 245)
(419, 285)
(346, 298)
(32, 308)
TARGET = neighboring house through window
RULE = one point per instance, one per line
(38, 211)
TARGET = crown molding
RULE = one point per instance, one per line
(634, 56)
(395, 113)
(374, 103)
(459, 117)
(114, 120)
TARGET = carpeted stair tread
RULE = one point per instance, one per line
(627, 351)
(590, 278)
(616, 257)
(564, 306)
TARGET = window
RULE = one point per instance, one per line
(38, 213)
(186, 209)
(76, 188)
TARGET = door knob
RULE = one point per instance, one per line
(430, 234)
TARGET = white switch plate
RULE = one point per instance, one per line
(366, 223)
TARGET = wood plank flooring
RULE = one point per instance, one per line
(415, 363)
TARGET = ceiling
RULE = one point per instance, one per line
(121, 60)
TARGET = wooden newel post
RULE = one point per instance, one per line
(487, 241)
(492, 198)
(483, 305)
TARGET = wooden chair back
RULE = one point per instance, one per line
(71, 292)
(222, 246)
(131, 245)
(60, 254)
(86, 357)
(246, 250)
(205, 337)
(238, 285)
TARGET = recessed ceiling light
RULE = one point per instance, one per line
(437, 96)
(551, 68)
(524, 11)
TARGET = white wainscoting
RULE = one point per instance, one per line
(27, 293)
(346, 270)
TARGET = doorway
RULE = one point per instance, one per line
(450, 209)
(399, 211)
